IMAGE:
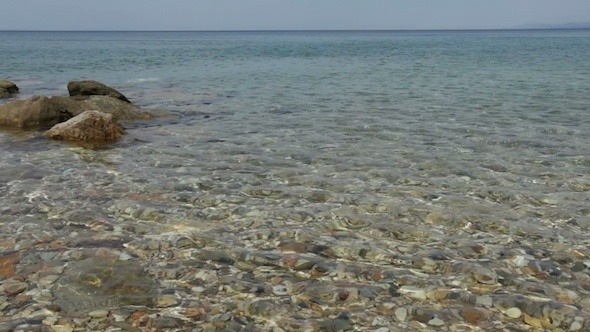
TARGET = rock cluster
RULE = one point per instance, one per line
(39, 112)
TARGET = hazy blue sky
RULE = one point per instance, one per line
(285, 14)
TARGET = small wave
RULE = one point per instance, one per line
(144, 80)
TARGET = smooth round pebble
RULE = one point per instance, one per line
(98, 313)
(484, 300)
(513, 313)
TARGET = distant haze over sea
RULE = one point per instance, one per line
(572, 25)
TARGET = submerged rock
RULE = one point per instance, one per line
(120, 109)
(97, 284)
(90, 126)
(93, 88)
(7, 88)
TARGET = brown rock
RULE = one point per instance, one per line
(8, 265)
(92, 88)
(472, 315)
(293, 247)
(14, 287)
(120, 109)
(35, 112)
(7, 88)
(90, 126)
(42, 112)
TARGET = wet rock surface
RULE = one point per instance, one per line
(92, 88)
(35, 112)
(44, 112)
(90, 126)
(7, 88)
(95, 284)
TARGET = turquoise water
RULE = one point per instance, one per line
(449, 159)
(365, 113)
(477, 126)
(379, 115)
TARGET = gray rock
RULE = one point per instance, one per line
(90, 126)
(93, 88)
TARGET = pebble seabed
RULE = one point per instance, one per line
(90, 245)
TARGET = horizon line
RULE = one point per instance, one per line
(303, 30)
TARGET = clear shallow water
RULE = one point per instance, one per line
(444, 108)
(458, 133)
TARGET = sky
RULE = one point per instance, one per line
(286, 14)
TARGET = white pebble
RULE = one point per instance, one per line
(413, 292)
(576, 326)
(513, 312)
(62, 328)
(436, 322)
(98, 313)
(519, 261)
(401, 314)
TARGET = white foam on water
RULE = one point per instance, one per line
(144, 80)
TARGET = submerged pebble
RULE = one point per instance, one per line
(513, 313)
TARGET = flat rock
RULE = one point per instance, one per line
(90, 126)
(93, 88)
(436, 322)
(472, 315)
(166, 301)
(8, 264)
(96, 284)
(98, 313)
(413, 292)
(14, 287)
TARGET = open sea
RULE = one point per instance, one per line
(399, 143)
